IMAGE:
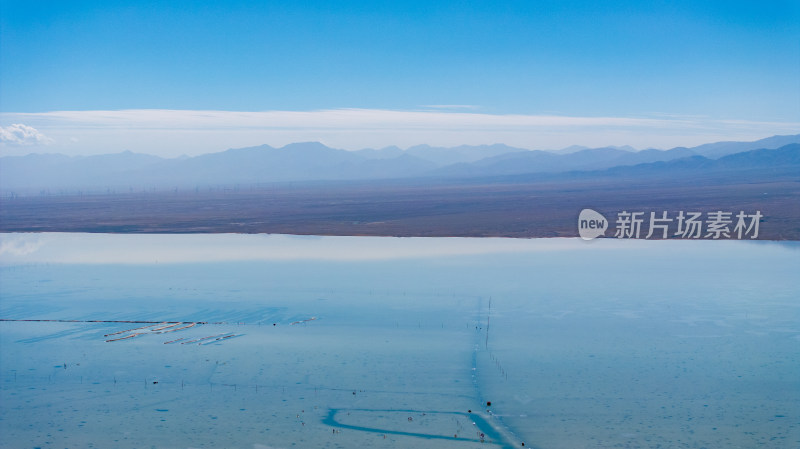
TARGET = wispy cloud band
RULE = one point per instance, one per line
(174, 132)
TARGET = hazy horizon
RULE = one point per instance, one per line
(20, 150)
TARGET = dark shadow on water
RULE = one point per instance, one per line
(484, 426)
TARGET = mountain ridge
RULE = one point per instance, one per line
(312, 161)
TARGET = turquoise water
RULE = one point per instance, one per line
(369, 342)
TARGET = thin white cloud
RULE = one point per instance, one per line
(22, 135)
(352, 119)
(451, 106)
(176, 132)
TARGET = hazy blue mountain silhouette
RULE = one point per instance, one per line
(785, 158)
(309, 161)
(720, 149)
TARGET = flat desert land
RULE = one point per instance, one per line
(521, 207)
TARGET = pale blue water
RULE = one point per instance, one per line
(605, 344)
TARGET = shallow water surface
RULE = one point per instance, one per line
(277, 342)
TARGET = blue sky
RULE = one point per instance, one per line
(698, 67)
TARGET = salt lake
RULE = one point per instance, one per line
(272, 341)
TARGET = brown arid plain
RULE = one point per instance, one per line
(530, 206)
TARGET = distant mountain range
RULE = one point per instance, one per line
(312, 161)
